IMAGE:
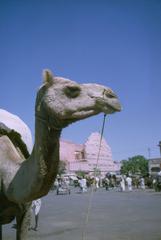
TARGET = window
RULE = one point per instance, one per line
(79, 155)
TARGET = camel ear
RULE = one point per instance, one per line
(47, 77)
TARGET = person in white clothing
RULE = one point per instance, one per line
(97, 182)
(36, 205)
(122, 184)
(129, 183)
(83, 184)
(142, 183)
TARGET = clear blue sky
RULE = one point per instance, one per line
(111, 42)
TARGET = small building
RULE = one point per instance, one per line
(154, 166)
(89, 156)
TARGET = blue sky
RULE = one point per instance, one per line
(114, 43)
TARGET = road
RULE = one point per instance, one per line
(112, 215)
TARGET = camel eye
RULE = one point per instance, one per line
(72, 91)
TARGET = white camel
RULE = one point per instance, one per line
(59, 102)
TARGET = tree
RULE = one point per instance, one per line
(81, 173)
(135, 165)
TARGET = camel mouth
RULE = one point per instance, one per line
(116, 108)
(83, 114)
(108, 106)
(112, 107)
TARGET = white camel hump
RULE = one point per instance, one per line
(14, 122)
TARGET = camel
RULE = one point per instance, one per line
(59, 102)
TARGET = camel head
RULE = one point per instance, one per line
(61, 101)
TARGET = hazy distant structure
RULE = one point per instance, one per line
(84, 157)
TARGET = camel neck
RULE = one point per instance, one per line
(46, 121)
(46, 143)
(46, 154)
(36, 175)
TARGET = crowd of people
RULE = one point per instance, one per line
(118, 182)
(124, 182)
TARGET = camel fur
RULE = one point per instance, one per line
(59, 102)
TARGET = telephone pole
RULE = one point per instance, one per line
(159, 145)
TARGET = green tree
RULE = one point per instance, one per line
(81, 173)
(135, 165)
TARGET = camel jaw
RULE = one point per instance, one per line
(110, 107)
(86, 113)
(101, 105)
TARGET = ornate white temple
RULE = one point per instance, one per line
(89, 156)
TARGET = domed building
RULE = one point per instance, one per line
(89, 156)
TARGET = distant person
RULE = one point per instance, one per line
(142, 183)
(107, 183)
(36, 205)
(154, 183)
(129, 183)
(159, 173)
(122, 184)
(83, 184)
(97, 182)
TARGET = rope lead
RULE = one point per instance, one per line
(91, 194)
